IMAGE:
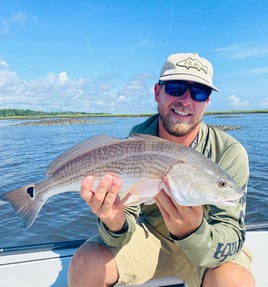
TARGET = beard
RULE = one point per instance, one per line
(175, 127)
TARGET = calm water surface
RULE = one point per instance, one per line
(26, 151)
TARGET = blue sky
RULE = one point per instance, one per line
(105, 56)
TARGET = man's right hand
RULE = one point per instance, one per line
(104, 201)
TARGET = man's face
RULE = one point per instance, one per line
(178, 115)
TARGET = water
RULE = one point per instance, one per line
(26, 151)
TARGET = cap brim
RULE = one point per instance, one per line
(191, 78)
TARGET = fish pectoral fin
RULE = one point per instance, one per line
(143, 191)
(131, 199)
(149, 202)
(126, 197)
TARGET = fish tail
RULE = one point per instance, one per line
(25, 203)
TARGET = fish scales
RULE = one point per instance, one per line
(134, 157)
(134, 165)
(141, 161)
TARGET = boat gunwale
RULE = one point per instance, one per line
(72, 244)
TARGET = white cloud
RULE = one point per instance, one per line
(237, 102)
(59, 92)
(242, 51)
(245, 74)
(122, 98)
(63, 78)
(8, 78)
(16, 19)
(260, 71)
(3, 65)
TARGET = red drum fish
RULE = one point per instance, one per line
(146, 164)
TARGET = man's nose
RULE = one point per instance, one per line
(186, 97)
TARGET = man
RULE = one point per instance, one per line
(203, 245)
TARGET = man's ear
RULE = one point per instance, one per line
(157, 88)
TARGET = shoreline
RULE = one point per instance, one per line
(90, 121)
(78, 115)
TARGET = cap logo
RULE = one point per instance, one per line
(191, 63)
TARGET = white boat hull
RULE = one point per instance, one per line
(47, 266)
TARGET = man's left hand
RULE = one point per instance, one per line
(181, 221)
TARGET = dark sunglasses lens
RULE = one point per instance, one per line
(175, 90)
(200, 94)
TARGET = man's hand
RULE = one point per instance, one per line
(105, 201)
(181, 221)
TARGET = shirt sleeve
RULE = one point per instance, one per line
(222, 233)
(117, 239)
(214, 243)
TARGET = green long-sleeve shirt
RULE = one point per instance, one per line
(222, 232)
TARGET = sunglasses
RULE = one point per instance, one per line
(198, 92)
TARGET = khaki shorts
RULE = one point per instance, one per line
(147, 256)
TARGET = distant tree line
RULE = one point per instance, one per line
(30, 113)
(19, 112)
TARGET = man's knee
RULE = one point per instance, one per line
(229, 274)
(90, 254)
(92, 263)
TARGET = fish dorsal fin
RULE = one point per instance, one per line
(146, 137)
(155, 139)
(78, 149)
(91, 144)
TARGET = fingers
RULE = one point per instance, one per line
(112, 185)
(180, 220)
(126, 197)
(166, 205)
(86, 189)
(170, 210)
(101, 191)
(174, 209)
(104, 200)
(104, 196)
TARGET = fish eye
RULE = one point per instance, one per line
(222, 183)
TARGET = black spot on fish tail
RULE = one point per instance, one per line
(26, 203)
(30, 190)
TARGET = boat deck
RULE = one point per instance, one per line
(46, 265)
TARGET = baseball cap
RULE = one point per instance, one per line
(188, 67)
